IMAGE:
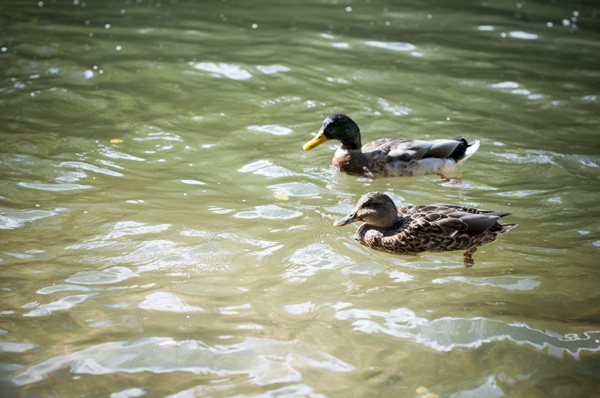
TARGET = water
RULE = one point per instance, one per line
(163, 233)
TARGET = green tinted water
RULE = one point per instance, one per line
(164, 234)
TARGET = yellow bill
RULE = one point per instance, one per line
(318, 140)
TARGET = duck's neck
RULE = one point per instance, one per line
(351, 147)
(351, 143)
(385, 230)
(386, 218)
(392, 224)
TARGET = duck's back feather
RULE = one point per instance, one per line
(404, 157)
(438, 227)
(405, 150)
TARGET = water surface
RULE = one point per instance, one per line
(163, 233)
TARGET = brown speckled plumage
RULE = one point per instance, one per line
(415, 229)
(390, 156)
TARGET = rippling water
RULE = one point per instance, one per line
(163, 233)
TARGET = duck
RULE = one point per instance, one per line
(414, 229)
(389, 157)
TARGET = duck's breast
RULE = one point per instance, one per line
(350, 161)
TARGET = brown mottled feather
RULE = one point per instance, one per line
(415, 229)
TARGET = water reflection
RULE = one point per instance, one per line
(260, 361)
(165, 301)
(266, 168)
(269, 212)
(11, 219)
(504, 282)
(222, 69)
(308, 261)
(158, 216)
(446, 334)
(63, 303)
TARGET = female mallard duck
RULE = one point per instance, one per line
(390, 156)
(414, 229)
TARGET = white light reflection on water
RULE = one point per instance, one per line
(270, 212)
(272, 69)
(504, 282)
(54, 187)
(219, 69)
(265, 361)
(308, 261)
(394, 109)
(394, 46)
(102, 277)
(266, 168)
(166, 301)
(448, 333)
(122, 229)
(522, 35)
(298, 189)
(11, 219)
(6, 346)
(515, 88)
(273, 129)
(112, 153)
(64, 303)
(89, 167)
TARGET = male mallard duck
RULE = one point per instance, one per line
(414, 229)
(390, 156)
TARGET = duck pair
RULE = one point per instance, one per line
(409, 229)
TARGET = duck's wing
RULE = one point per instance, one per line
(449, 221)
(449, 208)
(475, 223)
(411, 149)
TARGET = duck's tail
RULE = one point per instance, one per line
(470, 150)
(506, 228)
(463, 150)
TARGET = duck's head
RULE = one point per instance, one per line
(375, 208)
(337, 127)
